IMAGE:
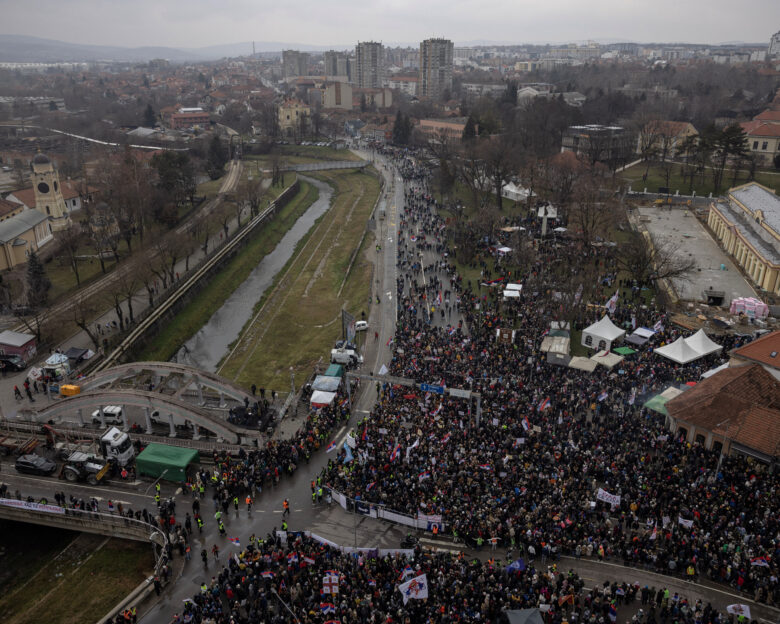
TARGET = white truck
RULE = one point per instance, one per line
(348, 357)
(116, 445)
(112, 414)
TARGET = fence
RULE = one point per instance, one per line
(421, 521)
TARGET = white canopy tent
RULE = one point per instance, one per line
(514, 192)
(679, 351)
(644, 332)
(583, 363)
(715, 370)
(511, 294)
(556, 344)
(607, 359)
(602, 334)
(504, 250)
(701, 343)
(514, 287)
(321, 399)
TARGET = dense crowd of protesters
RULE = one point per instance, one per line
(549, 437)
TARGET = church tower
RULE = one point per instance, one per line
(48, 195)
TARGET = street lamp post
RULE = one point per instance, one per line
(286, 606)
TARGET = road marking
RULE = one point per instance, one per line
(278, 511)
(297, 509)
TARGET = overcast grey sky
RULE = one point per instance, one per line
(197, 23)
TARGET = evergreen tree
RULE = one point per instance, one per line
(470, 131)
(38, 284)
(217, 157)
(150, 118)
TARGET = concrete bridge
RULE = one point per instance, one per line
(111, 525)
(324, 165)
(173, 407)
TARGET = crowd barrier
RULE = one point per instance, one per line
(423, 522)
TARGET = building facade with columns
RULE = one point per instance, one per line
(747, 225)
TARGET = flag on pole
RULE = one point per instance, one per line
(415, 588)
(292, 557)
(424, 475)
(331, 446)
(370, 485)
(308, 560)
(327, 607)
(235, 541)
(612, 303)
(543, 405)
(760, 561)
(526, 424)
(451, 331)
(487, 467)
(612, 613)
(389, 342)
(267, 574)
(406, 572)
(603, 396)
(446, 438)
(395, 452)
(659, 326)
(655, 532)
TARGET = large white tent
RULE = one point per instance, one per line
(701, 343)
(679, 351)
(321, 399)
(602, 334)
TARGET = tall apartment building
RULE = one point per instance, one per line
(369, 60)
(336, 63)
(774, 46)
(295, 63)
(435, 68)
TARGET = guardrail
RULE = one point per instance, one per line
(111, 525)
(157, 313)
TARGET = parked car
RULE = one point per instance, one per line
(361, 326)
(12, 363)
(345, 344)
(35, 464)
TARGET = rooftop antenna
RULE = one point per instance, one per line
(253, 48)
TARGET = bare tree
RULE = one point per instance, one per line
(646, 260)
(70, 240)
(83, 312)
(593, 208)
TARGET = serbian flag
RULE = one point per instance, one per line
(526, 423)
(267, 574)
(292, 557)
(327, 607)
(446, 438)
(365, 434)
(235, 541)
(424, 475)
(308, 560)
(760, 561)
(543, 405)
(451, 331)
(655, 532)
(407, 571)
(603, 396)
(612, 613)
(389, 342)
(412, 238)
(332, 622)
(371, 583)
(370, 485)
(486, 467)
(331, 446)
(495, 281)
(395, 452)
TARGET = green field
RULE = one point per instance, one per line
(300, 318)
(221, 286)
(62, 577)
(657, 178)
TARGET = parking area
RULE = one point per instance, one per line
(681, 227)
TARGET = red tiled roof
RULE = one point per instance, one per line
(761, 350)
(7, 207)
(26, 196)
(761, 128)
(741, 403)
(772, 116)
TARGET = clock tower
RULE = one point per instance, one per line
(48, 195)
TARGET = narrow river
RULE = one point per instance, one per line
(207, 347)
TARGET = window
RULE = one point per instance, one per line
(755, 145)
(589, 340)
(764, 145)
(700, 439)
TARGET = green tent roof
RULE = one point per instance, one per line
(170, 462)
(624, 350)
(657, 404)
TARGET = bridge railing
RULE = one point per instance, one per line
(112, 525)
